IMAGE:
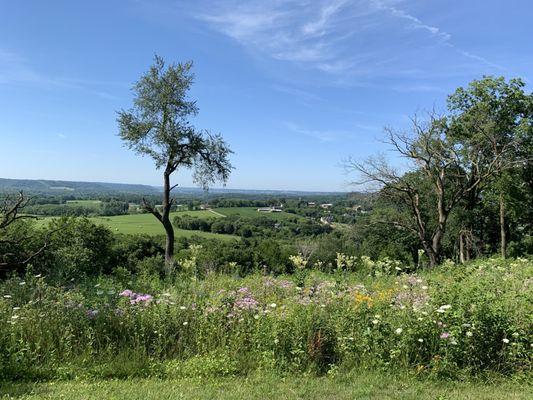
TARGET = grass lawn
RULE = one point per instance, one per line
(147, 224)
(268, 387)
(252, 212)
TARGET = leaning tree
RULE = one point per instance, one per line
(158, 125)
(442, 174)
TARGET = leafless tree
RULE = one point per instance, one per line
(451, 170)
(11, 212)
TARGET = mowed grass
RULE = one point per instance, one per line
(351, 386)
(252, 212)
(149, 225)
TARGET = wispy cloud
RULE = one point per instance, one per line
(363, 39)
(317, 134)
(15, 69)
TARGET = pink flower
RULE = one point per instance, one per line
(444, 335)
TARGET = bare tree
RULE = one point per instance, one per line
(10, 212)
(451, 170)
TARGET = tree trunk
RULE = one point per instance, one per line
(462, 256)
(503, 235)
(165, 220)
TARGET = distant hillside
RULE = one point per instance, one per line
(88, 188)
(75, 188)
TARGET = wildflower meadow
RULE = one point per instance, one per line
(452, 322)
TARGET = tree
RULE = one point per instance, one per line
(158, 126)
(496, 118)
(442, 173)
(13, 252)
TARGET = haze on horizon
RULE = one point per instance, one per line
(293, 86)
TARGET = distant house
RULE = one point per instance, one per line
(325, 206)
(269, 209)
(311, 204)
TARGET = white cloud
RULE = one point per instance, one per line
(360, 39)
(15, 69)
(320, 135)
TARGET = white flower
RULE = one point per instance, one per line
(469, 334)
(421, 340)
(256, 316)
(183, 308)
(505, 340)
(185, 323)
(375, 321)
(7, 296)
(424, 287)
(22, 283)
(443, 308)
(14, 317)
(273, 305)
(16, 308)
(398, 331)
(276, 341)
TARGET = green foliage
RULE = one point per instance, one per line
(453, 322)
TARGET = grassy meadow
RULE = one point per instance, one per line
(361, 385)
(147, 224)
(454, 323)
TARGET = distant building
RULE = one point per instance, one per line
(269, 209)
(311, 204)
(325, 206)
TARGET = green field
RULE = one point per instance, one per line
(352, 386)
(86, 203)
(147, 224)
(252, 212)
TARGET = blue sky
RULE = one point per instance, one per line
(294, 86)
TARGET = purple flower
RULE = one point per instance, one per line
(126, 293)
(246, 303)
(92, 314)
(284, 284)
(444, 335)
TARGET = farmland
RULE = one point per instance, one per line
(148, 225)
(252, 212)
